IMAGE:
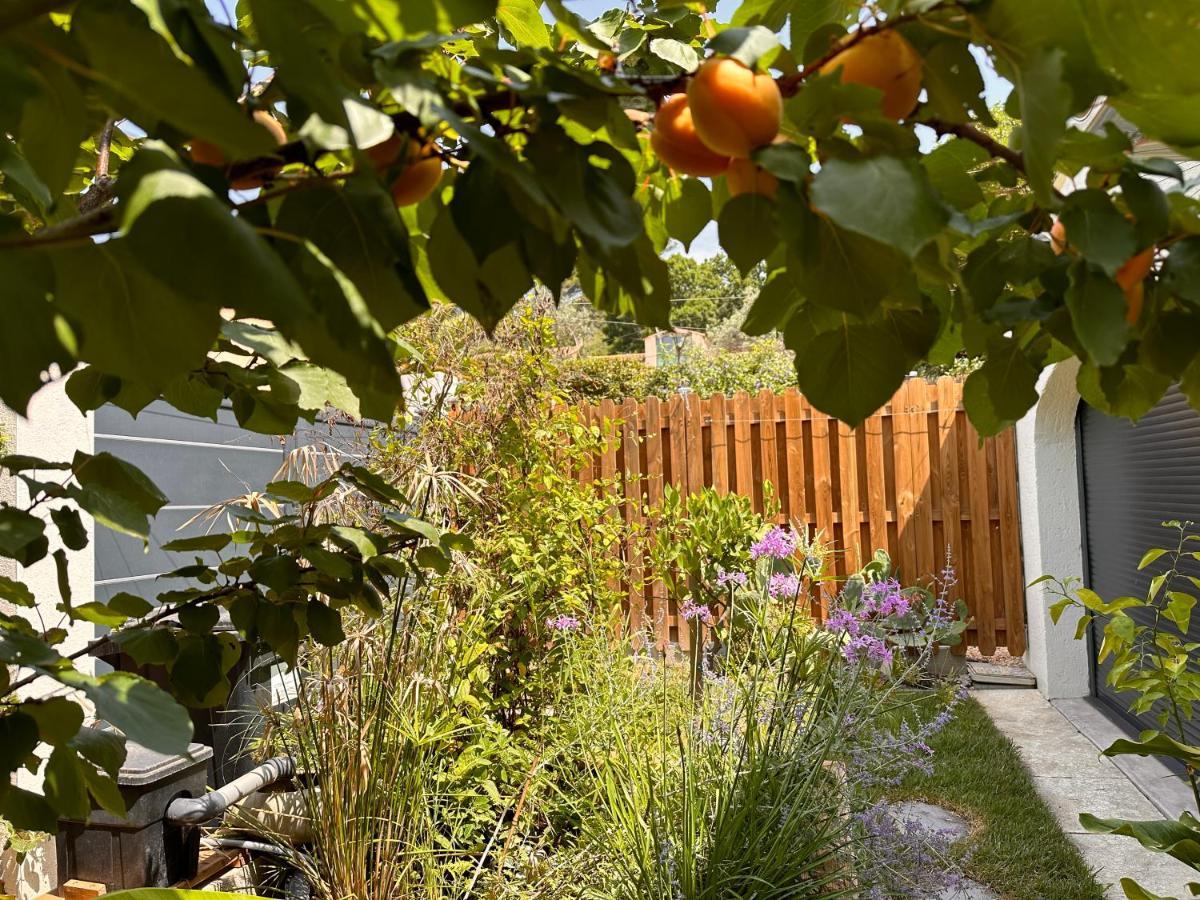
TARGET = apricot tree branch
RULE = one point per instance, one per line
(975, 136)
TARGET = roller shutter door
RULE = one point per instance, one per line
(1134, 478)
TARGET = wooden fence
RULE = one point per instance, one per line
(913, 479)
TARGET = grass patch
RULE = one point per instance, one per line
(1017, 847)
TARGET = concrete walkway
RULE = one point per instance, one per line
(1073, 778)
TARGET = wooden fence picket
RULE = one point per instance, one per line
(914, 479)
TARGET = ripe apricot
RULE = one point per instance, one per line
(675, 142)
(417, 181)
(421, 173)
(745, 177)
(1130, 277)
(209, 154)
(1058, 237)
(734, 108)
(886, 61)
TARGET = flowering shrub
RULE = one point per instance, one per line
(874, 616)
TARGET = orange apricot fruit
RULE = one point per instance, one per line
(206, 153)
(1130, 277)
(886, 61)
(675, 142)
(422, 170)
(746, 177)
(734, 108)
(1058, 237)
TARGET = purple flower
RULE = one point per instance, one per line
(883, 598)
(725, 579)
(843, 621)
(778, 543)
(691, 610)
(563, 623)
(783, 584)
(867, 647)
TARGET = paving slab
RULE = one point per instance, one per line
(931, 816)
(1072, 777)
(968, 890)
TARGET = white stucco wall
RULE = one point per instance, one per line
(1051, 529)
(54, 430)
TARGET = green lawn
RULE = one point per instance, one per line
(1017, 847)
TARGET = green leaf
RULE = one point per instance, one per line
(747, 230)
(1179, 609)
(1045, 102)
(105, 791)
(18, 738)
(131, 324)
(1097, 307)
(200, 542)
(356, 226)
(676, 52)
(105, 749)
(1098, 230)
(486, 290)
(156, 85)
(523, 20)
(118, 494)
(22, 182)
(592, 186)
(143, 711)
(687, 208)
(774, 304)
(853, 370)
(65, 787)
(22, 535)
(839, 269)
(1156, 744)
(55, 121)
(1180, 838)
(1181, 271)
(44, 338)
(949, 166)
(1150, 556)
(1130, 391)
(1011, 378)
(325, 624)
(16, 592)
(883, 197)
(148, 646)
(746, 45)
(70, 527)
(27, 811)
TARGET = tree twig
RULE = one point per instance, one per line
(975, 136)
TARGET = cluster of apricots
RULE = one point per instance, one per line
(414, 182)
(730, 110)
(1130, 276)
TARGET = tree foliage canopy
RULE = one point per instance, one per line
(150, 227)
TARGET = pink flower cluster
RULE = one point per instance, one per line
(867, 647)
(883, 598)
(783, 584)
(778, 543)
(725, 579)
(699, 611)
(563, 623)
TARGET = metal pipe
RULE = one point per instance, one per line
(194, 810)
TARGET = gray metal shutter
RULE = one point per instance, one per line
(196, 463)
(1134, 478)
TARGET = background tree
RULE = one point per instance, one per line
(171, 182)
